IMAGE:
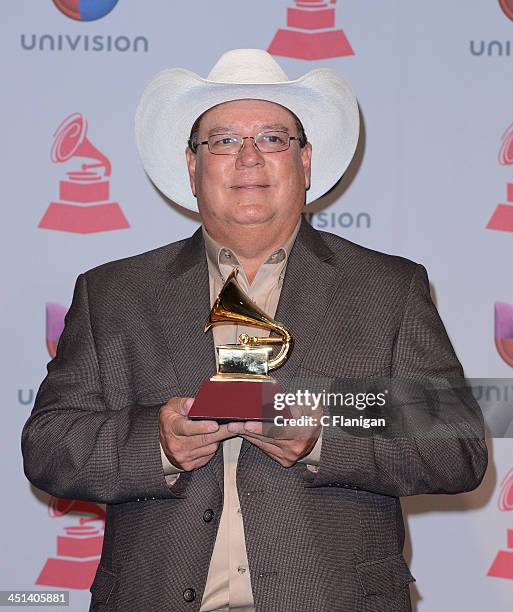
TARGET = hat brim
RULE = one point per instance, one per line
(175, 98)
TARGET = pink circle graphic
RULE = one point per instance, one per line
(506, 495)
(507, 8)
(85, 10)
(506, 150)
(68, 137)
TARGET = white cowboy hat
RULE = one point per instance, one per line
(176, 97)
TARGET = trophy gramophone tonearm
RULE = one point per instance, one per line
(242, 388)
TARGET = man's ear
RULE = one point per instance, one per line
(190, 156)
(306, 158)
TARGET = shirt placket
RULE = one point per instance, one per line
(263, 291)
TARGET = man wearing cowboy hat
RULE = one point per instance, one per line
(202, 516)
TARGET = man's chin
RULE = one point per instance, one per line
(252, 214)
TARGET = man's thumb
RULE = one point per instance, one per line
(186, 405)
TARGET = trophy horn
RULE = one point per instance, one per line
(233, 306)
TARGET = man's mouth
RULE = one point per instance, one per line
(250, 186)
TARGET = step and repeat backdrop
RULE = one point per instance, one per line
(432, 181)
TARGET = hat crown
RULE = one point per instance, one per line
(247, 66)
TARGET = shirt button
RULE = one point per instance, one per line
(189, 595)
(208, 515)
(241, 569)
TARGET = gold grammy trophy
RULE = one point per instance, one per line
(242, 389)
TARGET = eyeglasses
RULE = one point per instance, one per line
(232, 144)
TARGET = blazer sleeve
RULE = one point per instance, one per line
(74, 444)
(437, 443)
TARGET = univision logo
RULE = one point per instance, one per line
(85, 10)
(495, 48)
(339, 220)
(83, 42)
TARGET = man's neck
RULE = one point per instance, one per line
(253, 245)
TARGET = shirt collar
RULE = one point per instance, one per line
(219, 255)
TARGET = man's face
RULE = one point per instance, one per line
(250, 188)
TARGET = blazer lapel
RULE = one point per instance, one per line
(310, 283)
(183, 304)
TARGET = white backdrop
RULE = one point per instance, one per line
(435, 99)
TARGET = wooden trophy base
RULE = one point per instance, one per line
(236, 400)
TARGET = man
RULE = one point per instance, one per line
(206, 517)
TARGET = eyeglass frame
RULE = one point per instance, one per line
(195, 146)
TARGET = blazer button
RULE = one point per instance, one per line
(208, 515)
(189, 595)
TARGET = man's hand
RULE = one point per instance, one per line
(285, 444)
(188, 444)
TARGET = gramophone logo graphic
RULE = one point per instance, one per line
(311, 33)
(78, 549)
(507, 8)
(55, 314)
(85, 10)
(502, 566)
(83, 205)
(504, 331)
(502, 218)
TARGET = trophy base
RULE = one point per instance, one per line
(502, 218)
(310, 45)
(80, 219)
(226, 401)
(231, 376)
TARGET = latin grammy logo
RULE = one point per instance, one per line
(504, 331)
(83, 205)
(507, 8)
(55, 314)
(78, 550)
(310, 33)
(502, 566)
(502, 218)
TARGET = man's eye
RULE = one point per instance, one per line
(224, 141)
(273, 138)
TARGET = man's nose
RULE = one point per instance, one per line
(249, 155)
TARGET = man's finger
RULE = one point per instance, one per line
(186, 427)
(272, 450)
(204, 451)
(241, 427)
(264, 439)
(185, 405)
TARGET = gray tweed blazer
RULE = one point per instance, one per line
(325, 542)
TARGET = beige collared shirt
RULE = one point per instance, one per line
(228, 585)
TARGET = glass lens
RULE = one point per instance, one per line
(271, 142)
(231, 144)
(224, 144)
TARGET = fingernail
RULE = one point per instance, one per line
(250, 427)
(213, 427)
